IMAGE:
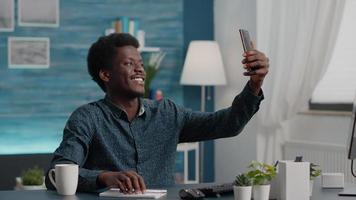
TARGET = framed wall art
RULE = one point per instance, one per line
(28, 52)
(7, 18)
(38, 13)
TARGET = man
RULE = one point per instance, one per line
(128, 142)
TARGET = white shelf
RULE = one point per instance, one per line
(149, 49)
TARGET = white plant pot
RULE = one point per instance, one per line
(33, 187)
(311, 184)
(242, 192)
(20, 186)
(261, 192)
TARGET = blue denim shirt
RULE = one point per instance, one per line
(99, 137)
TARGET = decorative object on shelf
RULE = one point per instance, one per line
(159, 95)
(203, 67)
(7, 15)
(141, 38)
(152, 65)
(315, 171)
(109, 31)
(31, 179)
(261, 175)
(38, 13)
(242, 187)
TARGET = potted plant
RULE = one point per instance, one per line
(151, 65)
(315, 171)
(242, 187)
(261, 175)
(32, 179)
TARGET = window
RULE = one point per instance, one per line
(337, 89)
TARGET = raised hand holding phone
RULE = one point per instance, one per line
(255, 62)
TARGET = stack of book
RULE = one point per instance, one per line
(130, 25)
(126, 25)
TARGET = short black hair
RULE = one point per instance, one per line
(102, 53)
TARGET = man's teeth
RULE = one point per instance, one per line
(138, 79)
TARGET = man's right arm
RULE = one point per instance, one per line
(74, 148)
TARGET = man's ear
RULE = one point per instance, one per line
(104, 75)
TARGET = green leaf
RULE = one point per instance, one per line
(242, 180)
(152, 65)
(261, 173)
(32, 176)
(315, 171)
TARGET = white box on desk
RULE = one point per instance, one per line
(332, 180)
(293, 180)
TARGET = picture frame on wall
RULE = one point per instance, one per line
(28, 52)
(38, 13)
(7, 15)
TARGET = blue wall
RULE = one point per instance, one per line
(199, 25)
(35, 103)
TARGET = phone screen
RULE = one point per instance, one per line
(246, 41)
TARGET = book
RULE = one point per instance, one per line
(125, 24)
(149, 194)
(132, 27)
(118, 26)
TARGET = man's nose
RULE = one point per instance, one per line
(139, 67)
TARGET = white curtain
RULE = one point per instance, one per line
(298, 36)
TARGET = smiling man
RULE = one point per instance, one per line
(129, 142)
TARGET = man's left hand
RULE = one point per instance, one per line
(256, 63)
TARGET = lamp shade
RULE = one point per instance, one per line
(203, 65)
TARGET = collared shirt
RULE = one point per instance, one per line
(140, 111)
(98, 136)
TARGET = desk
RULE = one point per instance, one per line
(52, 195)
(330, 194)
(318, 194)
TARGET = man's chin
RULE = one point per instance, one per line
(141, 94)
(137, 94)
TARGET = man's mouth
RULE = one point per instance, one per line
(138, 79)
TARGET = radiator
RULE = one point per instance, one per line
(330, 157)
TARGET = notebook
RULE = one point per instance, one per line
(149, 194)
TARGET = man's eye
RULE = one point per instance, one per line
(129, 64)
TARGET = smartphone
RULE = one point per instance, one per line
(246, 41)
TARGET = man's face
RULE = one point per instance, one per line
(127, 76)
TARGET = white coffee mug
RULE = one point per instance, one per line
(66, 176)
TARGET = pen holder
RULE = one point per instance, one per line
(293, 178)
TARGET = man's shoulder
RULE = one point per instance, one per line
(160, 104)
(90, 109)
(155, 103)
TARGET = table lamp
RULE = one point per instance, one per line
(203, 67)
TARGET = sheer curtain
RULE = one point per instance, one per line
(298, 36)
